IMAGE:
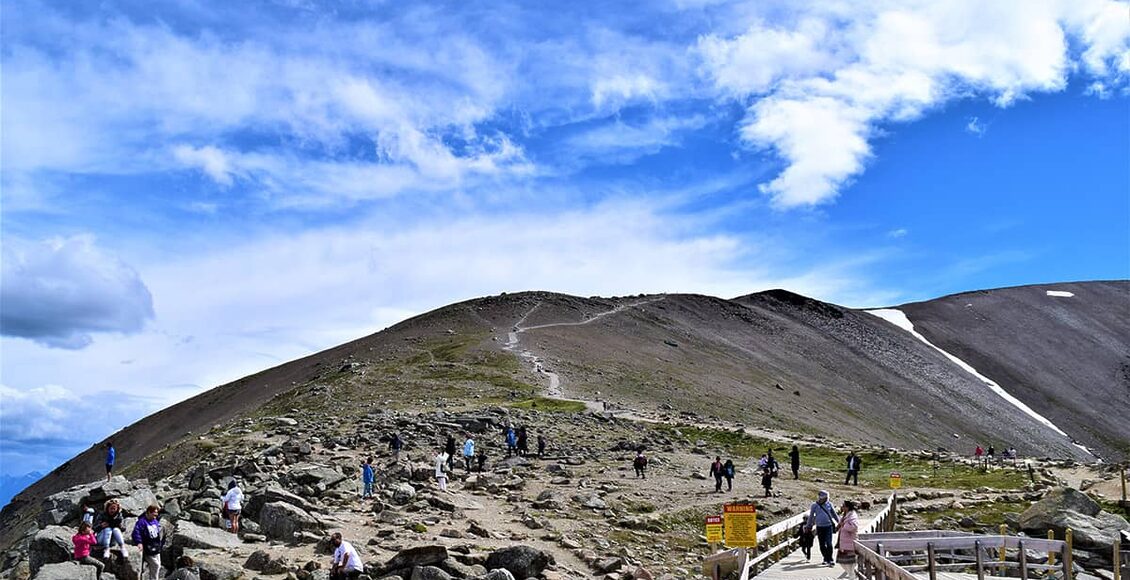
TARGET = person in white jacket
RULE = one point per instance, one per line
(441, 475)
(233, 504)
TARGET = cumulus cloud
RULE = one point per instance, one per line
(821, 86)
(975, 126)
(60, 291)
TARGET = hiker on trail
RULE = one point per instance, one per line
(441, 475)
(823, 519)
(728, 473)
(849, 527)
(794, 461)
(109, 525)
(346, 562)
(449, 449)
(511, 442)
(523, 442)
(83, 541)
(468, 452)
(233, 503)
(990, 453)
(368, 477)
(111, 456)
(977, 453)
(481, 458)
(716, 472)
(771, 463)
(541, 445)
(395, 445)
(767, 481)
(763, 462)
(640, 464)
(186, 570)
(804, 538)
(853, 465)
(147, 534)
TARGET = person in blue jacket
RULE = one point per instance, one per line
(823, 519)
(111, 455)
(367, 478)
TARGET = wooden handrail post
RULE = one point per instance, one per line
(1117, 556)
(931, 566)
(1023, 560)
(1051, 553)
(1001, 553)
(981, 560)
(1068, 560)
(1123, 484)
(879, 549)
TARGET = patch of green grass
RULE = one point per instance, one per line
(990, 514)
(549, 405)
(638, 506)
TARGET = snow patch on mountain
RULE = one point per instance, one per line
(899, 319)
(1060, 293)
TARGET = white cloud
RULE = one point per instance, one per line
(898, 233)
(816, 102)
(60, 291)
(209, 159)
(976, 126)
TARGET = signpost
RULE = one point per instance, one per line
(896, 480)
(740, 521)
(714, 529)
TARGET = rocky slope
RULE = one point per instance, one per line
(772, 360)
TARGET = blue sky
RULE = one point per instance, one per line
(194, 191)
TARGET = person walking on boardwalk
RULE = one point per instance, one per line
(468, 452)
(822, 519)
(849, 527)
(367, 478)
(853, 465)
(640, 464)
(111, 456)
(716, 472)
(794, 461)
(728, 473)
(805, 538)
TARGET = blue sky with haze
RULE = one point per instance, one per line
(194, 191)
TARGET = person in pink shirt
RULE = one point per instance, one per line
(83, 541)
(849, 528)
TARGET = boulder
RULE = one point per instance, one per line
(49, 546)
(521, 561)
(280, 521)
(499, 574)
(418, 556)
(190, 535)
(429, 573)
(253, 505)
(66, 571)
(1064, 508)
(215, 565)
(314, 475)
(257, 560)
(403, 493)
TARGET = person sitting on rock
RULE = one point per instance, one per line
(346, 562)
(186, 570)
(109, 525)
(83, 541)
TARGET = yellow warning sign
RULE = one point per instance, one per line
(714, 529)
(741, 525)
(896, 480)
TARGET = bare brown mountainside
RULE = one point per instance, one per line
(772, 359)
(1066, 357)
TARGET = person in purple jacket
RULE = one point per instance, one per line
(147, 534)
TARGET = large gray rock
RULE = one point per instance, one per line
(280, 521)
(318, 476)
(190, 535)
(499, 574)
(429, 573)
(403, 493)
(253, 505)
(66, 506)
(418, 556)
(50, 545)
(215, 565)
(66, 571)
(521, 561)
(1064, 508)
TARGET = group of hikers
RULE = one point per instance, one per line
(821, 522)
(986, 456)
(474, 457)
(104, 533)
(768, 468)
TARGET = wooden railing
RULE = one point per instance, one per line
(900, 555)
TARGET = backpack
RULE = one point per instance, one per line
(640, 461)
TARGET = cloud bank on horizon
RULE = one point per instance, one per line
(194, 192)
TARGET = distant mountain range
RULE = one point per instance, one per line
(10, 485)
(1044, 368)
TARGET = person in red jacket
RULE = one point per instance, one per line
(83, 541)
